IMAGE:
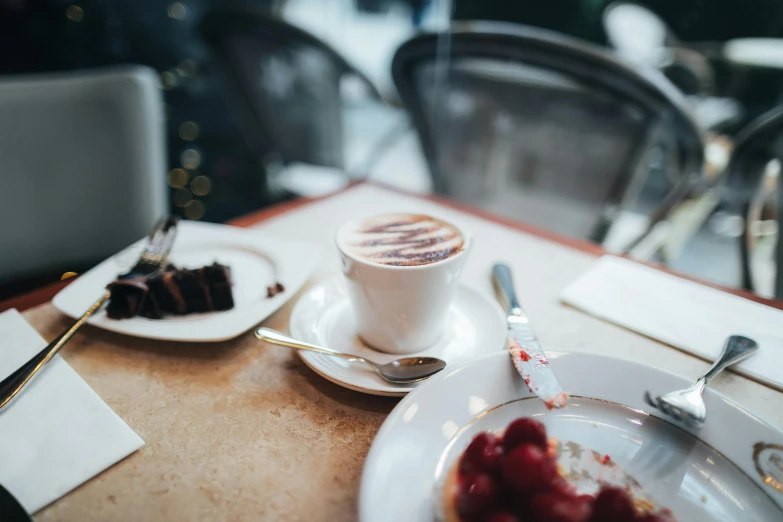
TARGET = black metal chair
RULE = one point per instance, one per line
(753, 186)
(545, 128)
(283, 84)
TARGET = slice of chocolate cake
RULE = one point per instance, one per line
(150, 307)
(166, 291)
(218, 278)
(174, 291)
(127, 296)
(195, 291)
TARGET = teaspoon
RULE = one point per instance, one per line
(400, 371)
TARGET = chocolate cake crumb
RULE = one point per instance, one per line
(275, 289)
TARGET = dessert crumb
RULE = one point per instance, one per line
(275, 289)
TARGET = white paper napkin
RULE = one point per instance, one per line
(57, 433)
(692, 317)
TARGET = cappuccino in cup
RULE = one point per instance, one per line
(403, 240)
(401, 272)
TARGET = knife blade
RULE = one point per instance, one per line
(529, 358)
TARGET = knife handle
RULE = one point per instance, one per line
(501, 275)
(13, 384)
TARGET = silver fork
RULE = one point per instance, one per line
(687, 405)
(152, 259)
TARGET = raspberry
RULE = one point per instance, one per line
(652, 517)
(613, 505)
(502, 516)
(478, 495)
(483, 454)
(553, 507)
(528, 468)
(525, 431)
(562, 487)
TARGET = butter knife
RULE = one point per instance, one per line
(528, 356)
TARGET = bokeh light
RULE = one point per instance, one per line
(168, 80)
(74, 13)
(201, 185)
(190, 158)
(189, 131)
(187, 68)
(178, 178)
(194, 209)
(177, 11)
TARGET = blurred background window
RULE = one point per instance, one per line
(626, 141)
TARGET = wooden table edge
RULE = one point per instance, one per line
(42, 295)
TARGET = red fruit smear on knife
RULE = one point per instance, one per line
(520, 356)
(559, 401)
(518, 351)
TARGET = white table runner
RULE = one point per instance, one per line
(692, 317)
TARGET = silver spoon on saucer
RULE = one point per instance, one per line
(399, 371)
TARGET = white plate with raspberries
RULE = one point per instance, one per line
(473, 445)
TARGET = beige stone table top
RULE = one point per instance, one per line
(241, 431)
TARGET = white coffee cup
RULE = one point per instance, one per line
(400, 309)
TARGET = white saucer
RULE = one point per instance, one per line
(475, 326)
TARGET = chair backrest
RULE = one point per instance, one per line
(755, 147)
(539, 126)
(283, 84)
(82, 167)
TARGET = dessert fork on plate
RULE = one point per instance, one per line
(687, 405)
(152, 259)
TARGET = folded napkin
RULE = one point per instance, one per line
(690, 316)
(57, 433)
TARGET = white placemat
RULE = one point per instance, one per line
(692, 317)
(57, 433)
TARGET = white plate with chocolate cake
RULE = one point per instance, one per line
(220, 282)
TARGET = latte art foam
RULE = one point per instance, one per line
(403, 240)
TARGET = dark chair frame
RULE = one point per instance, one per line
(592, 65)
(744, 174)
(233, 18)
